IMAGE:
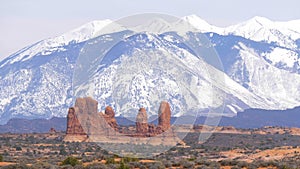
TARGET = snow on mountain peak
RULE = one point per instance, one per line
(196, 20)
(260, 20)
(257, 28)
(293, 25)
(44, 47)
(262, 29)
(86, 31)
(155, 25)
(200, 24)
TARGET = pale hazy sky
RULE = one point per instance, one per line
(24, 22)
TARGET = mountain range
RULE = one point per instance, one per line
(260, 58)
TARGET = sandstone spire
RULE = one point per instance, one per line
(109, 116)
(73, 125)
(142, 121)
(164, 116)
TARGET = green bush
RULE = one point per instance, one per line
(110, 161)
(123, 166)
(70, 161)
(18, 148)
(129, 159)
(1, 158)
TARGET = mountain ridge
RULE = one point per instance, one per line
(99, 24)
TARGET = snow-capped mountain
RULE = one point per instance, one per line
(51, 45)
(263, 29)
(260, 59)
(280, 40)
(192, 85)
(201, 24)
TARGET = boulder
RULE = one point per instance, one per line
(109, 112)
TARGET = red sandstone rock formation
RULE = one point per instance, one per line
(142, 121)
(109, 117)
(86, 105)
(86, 110)
(154, 130)
(73, 125)
(151, 128)
(52, 130)
(164, 116)
(109, 112)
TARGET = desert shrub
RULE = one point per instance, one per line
(42, 165)
(176, 163)
(187, 164)
(200, 161)
(89, 149)
(156, 165)
(242, 164)
(123, 166)
(129, 159)
(87, 159)
(134, 164)
(78, 167)
(229, 162)
(66, 167)
(214, 165)
(110, 161)
(70, 161)
(236, 167)
(18, 148)
(253, 166)
(167, 163)
(203, 167)
(137, 165)
(113, 166)
(63, 152)
(16, 166)
(97, 166)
